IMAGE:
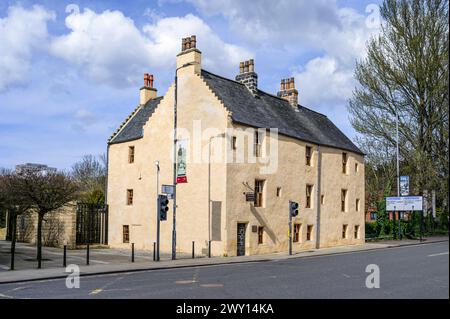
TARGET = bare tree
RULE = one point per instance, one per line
(90, 174)
(14, 202)
(47, 191)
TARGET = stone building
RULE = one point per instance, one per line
(248, 153)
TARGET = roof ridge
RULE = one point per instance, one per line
(264, 92)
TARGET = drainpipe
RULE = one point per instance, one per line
(106, 196)
(319, 195)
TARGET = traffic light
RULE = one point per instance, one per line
(163, 204)
(293, 208)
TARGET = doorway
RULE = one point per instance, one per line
(241, 229)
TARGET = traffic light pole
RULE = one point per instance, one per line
(290, 230)
(158, 219)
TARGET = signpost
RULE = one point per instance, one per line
(407, 203)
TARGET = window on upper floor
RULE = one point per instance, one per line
(131, 154)
(258, 140)
(278, 191)
(129, 197)
(309, 190)
(357, 204)
(344, 163)
(259, 193)
(343, 200)
(356, 168)
(308, 155)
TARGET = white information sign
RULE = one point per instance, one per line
(409, 203)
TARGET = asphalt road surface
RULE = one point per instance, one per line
(420, 271)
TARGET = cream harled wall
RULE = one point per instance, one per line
(224, 184)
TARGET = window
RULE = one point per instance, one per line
(373, 216)
(129, 197)
(278, 191)
(309, 232)
(258, 143)
(343, 199)
(357, 205)
(234, 142)
(308, 195)
(126, 234)
(322, 199)
(259, 190)
(344, 163)
(296, 238)
(356, 168)
(344, 231)
(260, 235)
(357, 232)
(131, 154)
(308, 155)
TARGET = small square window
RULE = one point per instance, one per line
(234, 142)
(260, 235)
(344, 163)
(356, 167)
(278, 191)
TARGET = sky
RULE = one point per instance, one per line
(70, 71)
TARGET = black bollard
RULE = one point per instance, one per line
(209, 249)
(154, 251)
(87, 254)
(132, 252)
(65, 256)
(193, 249)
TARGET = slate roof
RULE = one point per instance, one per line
(133, 129)
(268, 111)
(263, 111)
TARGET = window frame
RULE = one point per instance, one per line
(259, 192)
(356, 231)
(131, 154)
(296, 233)
(125, 234)
(344, 231)
(309, 194)
(308, 155)
(260, 235)
(344, 162)
(309, 232)
(343, 200)
(130, 197)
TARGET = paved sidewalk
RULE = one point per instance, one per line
(119, 260)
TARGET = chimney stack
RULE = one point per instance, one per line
(148, 92)
(248, 76)
(189, 57)
(288, 92)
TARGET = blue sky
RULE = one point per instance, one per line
(70, 71)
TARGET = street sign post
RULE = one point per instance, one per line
(408, 203)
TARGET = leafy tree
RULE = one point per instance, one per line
(405, 74)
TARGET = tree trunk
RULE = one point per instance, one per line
(39, 240)
(13, 239)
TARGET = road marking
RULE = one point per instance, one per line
(96, 291)
(185, 282)
(346, 276)
(211, 285)
(4, 267)
(5, 296)
(440, 254)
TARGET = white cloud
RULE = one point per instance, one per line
(22, 32)
(109, 47)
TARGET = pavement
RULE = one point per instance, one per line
(109, 261)
(405, 272)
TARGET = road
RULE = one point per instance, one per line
(420, 271)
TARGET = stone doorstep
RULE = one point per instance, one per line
(58, 273)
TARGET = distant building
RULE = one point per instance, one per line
(32, 167)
